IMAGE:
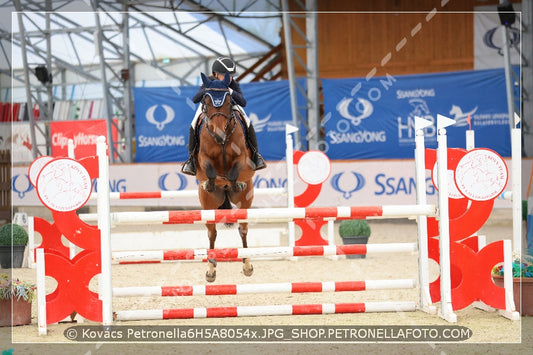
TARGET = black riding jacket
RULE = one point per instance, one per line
(236, 95)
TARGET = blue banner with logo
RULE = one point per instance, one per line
(163, 116)
(374, 118)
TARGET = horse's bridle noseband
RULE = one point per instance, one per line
(231, 117)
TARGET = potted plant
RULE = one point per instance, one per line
(13, 240)
(522, 275)
(15, 295)
(354, 231)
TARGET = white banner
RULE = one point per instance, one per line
(351, 183)
(15, 136)
(488, 37)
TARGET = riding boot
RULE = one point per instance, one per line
(189, 167)
(257, 159)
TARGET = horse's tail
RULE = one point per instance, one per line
(226, 205)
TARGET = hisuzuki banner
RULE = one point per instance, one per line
(163, 116)
(374, 118)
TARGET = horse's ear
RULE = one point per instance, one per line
(205, 79)
(226, 80)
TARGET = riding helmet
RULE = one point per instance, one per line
(223, 65)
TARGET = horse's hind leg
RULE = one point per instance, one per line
(211, 273)
(247, 268)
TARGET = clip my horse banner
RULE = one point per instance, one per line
(163, 116)
(374, 118)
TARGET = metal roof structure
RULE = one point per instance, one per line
(96, 44)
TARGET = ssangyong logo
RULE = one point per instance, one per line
(362, 106)
(160, 124)
(349, 184)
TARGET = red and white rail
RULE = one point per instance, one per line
(230, 253)
(271, 214)
(179, 194)
(273, 310)
(290, 287)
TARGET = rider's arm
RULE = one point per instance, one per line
(199, 95)
(236, 93)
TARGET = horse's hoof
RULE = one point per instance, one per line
(248, 272)
(212, 277)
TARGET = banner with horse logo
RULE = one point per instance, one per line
(163, 116)
(374, 118)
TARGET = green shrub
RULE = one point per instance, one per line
(20, 236)
(354, 228)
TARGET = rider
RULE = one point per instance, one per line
(221, 66)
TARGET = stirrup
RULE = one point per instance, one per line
(189, 167)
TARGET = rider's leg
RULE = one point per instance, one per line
(252, 140)
(189, 167)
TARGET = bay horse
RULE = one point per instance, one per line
(224, 169)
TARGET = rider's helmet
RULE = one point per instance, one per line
(223, 65)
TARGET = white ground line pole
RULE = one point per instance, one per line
(516, 166)
(470, 140)
(423, 262)
(41, 292)
(70, 152)
(446, 310)
(290, 178)
(104, 225)
(510, 308)
(31, 243)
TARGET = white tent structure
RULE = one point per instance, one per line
(54, 51)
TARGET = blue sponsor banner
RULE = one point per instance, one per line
(162, 119)
(269, 108)
(374, 118)
(163, 116)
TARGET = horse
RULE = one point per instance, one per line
(224, 169)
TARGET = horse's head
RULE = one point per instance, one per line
(216, 90)
(217, 104)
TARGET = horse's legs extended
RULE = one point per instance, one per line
(211, 274)
(211, 173)
(247, 268)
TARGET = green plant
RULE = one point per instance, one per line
(20, 236)
(521, 268)
(354, 228)
(10, 288)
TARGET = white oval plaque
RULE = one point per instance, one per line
(314, 167)
(481, 174)
(453, 192)
(64, 185)
(36, 167)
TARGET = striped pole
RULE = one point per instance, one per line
(273, 310)
(271, 214)
(294, 287)
(229, 253)
(179, 194)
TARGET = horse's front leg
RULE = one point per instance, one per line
(232, 175)
(211, 273)
(211, 173)
(247, 268)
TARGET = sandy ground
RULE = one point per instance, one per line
(491, 333)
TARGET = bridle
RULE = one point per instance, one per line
(220, 140)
